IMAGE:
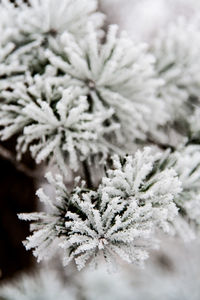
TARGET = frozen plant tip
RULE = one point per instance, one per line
(117, 74)
(55, 123)
(87, 226)
(26, 29)
(177, 59)
(187, 166)
(118, 219)
(143, 179)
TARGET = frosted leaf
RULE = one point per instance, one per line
(55, 122)
(142, 179)
(43, 16)
(27, 29)
(124, 232)
(187, 166)
(117, 73)
(118, 219)
(48, 226)
(8, 33)
(86, 229)
(176, 49)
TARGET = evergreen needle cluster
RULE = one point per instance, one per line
(81, 96)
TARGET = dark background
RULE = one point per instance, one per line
(17, 195)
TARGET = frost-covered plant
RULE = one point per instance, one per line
(9, 67)
(187, 166)
(27, 28)
(55, 122)
(186, 162)
(144, 179)
(118, 219)
(117, 73)
(44, 285)
(108, 228)
(176, 49)
(87, 226)
(51, 16)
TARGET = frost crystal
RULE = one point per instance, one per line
(55, 122)
(177, 59)
(116, 73)
(119, 219)
(143, 179)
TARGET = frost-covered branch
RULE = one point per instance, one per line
(54, 122)
(177, 59)
(118, 219)
(187, 165)
(117, 74)
(146, 180)
(26, 30)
